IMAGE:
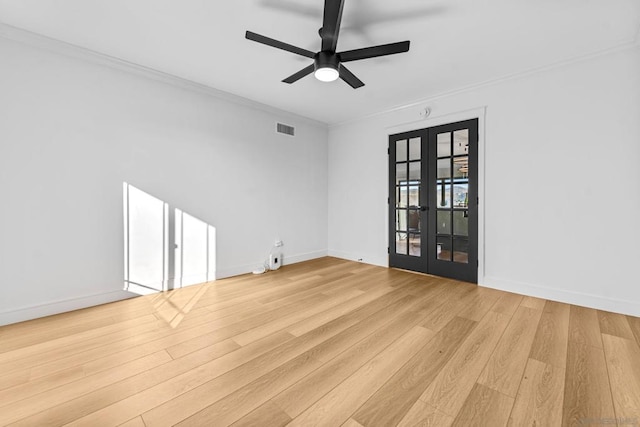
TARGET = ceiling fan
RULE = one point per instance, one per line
(327, 63)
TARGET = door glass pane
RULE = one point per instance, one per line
(401, 243)
(414, 171)
(461, 250)
(414, 148)
(443, 248)
(461, 167)
(414, 195)
(443, 195)
(401, 219)
(414, 220)
(401, 173)
(461, 142)
(444, 168)
(414, 232)
(401, 151)
(444, 144)
(444, 222)
(403, 196)
(414, 244)
(460, 223)
(460, 195)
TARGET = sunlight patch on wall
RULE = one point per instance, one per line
(164, 248)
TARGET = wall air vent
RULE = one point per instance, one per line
(285, 129)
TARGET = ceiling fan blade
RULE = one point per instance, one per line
(331, 24)
(350, 78)
(278, 44)
(300, 74)
(374, 51)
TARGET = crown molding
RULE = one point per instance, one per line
(77, 52)
(632, 44)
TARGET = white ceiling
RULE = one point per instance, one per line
(454, 43)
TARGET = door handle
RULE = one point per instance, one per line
(424, 208)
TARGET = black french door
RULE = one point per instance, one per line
(433, 200)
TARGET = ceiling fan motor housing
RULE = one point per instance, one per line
(326, 59)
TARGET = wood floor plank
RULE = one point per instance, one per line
(477, 308)
(453, 301)
(101, 357)
(634, 323)
(615, 324)
(337, 406)
(422, 414)
(550, 343)
(334, 346)
(623, 361)
(391, 403)
(533, 302)
(284, 321)
(539, 399)
(508, 303)
(244, 400)
(40, 385)
(351, 423)
(46, 361)
(311, 344)
(504, 369)
(88, 324)
(134, 422)
(228, 329)
(377, 335)
(456, 379)
(319, 319)
(197, 363)
(587, 394)
(268, 414)
(194, 390)
(584, 327)
(326, 342)
(14, 379)
(315, 321)
(55, 344)
(484, 407)
(173, 307)
(17, 411)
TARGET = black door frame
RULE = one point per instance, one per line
(427, 262)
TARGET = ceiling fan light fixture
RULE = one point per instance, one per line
(326, 66)
(326, 74)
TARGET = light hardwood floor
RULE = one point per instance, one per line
(326, 342)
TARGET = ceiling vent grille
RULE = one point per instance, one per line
(285, 129)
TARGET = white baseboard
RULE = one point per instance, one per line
(238, 270)
(294, 259)
(631, 308)
(57, 307)
(365, 258)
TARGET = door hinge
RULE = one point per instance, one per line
(388, 151)
(388, 200)
(388, 251)
(477, 200)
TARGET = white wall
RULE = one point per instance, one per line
(72, 131)
(561, 181)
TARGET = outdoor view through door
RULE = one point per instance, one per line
(433, 200)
